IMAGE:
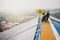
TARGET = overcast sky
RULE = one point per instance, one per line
(17, 5)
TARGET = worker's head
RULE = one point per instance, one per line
(38, 11)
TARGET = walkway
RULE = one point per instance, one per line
(46, 32)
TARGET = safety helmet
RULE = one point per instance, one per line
(38, 10)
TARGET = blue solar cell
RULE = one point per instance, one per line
(57, 26)
(36, 37)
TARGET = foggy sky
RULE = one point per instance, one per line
(18, 5)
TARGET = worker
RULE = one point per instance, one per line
(41, 14)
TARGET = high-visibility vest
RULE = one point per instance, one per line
(41, 14)
(42, 11)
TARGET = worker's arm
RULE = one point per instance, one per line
(45, 13)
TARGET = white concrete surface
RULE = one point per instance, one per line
(24, 31)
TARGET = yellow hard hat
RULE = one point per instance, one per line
(38, 10)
